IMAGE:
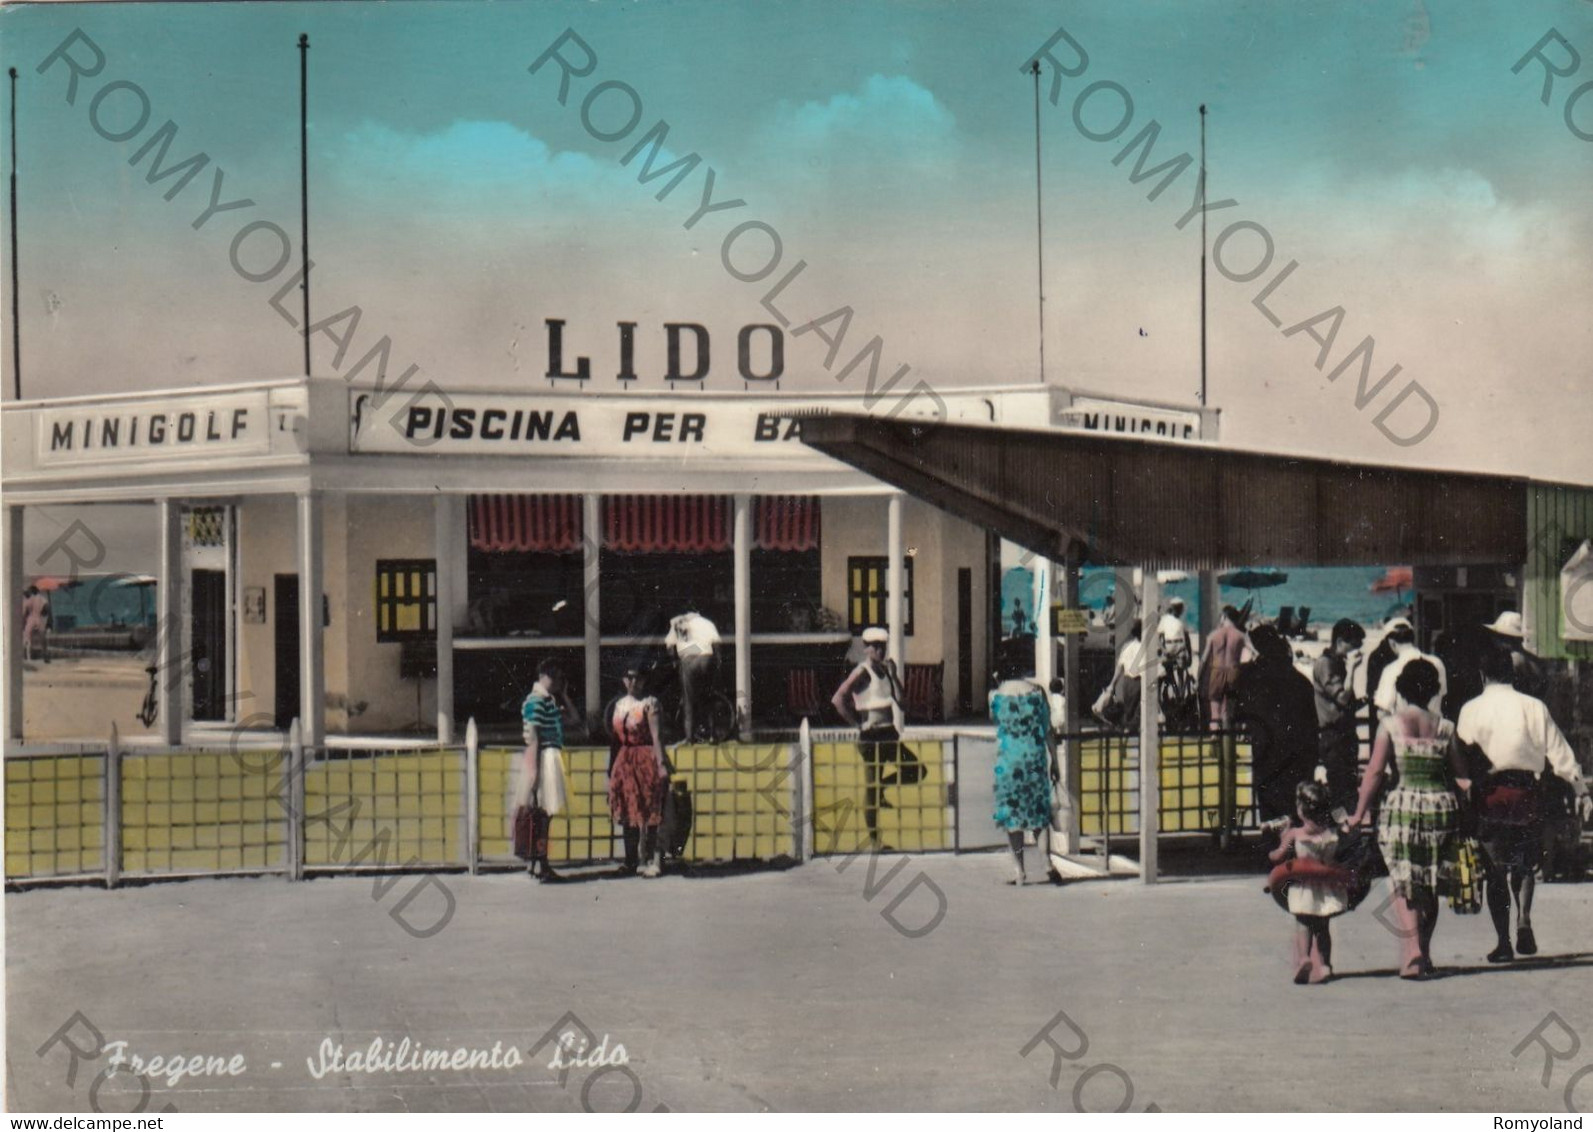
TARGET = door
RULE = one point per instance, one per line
(964, 641)
(208, 634)
(287, 649)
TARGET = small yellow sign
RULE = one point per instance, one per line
(1069, 620)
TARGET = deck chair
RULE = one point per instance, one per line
(1285, 622)
(802, 694)
(923, 685)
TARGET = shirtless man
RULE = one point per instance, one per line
(1219, 666)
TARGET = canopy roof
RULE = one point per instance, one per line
(1120, 500)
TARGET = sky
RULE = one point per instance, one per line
(1430, 200)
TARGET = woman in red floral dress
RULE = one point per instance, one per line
(637, 779)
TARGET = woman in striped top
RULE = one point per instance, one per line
(540, 785)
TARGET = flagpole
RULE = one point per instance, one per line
(16, 308)
(1203, 258)
(304, 186)
(1039, 216)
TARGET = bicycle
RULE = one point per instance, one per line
(1178, 696)
(723, 721)
(150, 709)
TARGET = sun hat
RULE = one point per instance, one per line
(874, 635)
(1399, 623)
(1507, 624)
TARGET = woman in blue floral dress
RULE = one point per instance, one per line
(1022, 714)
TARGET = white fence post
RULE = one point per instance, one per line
(113, 810)
(295, 805)
(802, 815)
(472, 796)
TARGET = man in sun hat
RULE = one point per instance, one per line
(1508, 632)
(1512, 738)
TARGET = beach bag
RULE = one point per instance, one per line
(1465, 898)
(677, 818)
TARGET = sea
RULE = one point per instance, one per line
(1329, 592)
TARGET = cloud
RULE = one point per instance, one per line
(472, 166)
(889, 129)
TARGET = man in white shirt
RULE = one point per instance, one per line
(691, 641)
(1119, 706)
(1174, 633)
(1519, 740)
(1403, 638)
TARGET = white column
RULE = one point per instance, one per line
(1210, 607)
(895, 583)
(1044, 644)
(1074, 693)
(1149, 734)
(446, 519)
(169, 623)
(12, 622)
(742, 551)
(312, 666)
(591, 545)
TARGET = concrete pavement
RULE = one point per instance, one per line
(784, 990)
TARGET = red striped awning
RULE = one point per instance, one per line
(786, 522)
(525, 522)
(652, 524)
(640, 524)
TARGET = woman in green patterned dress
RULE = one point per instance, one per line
(1022, 713)
(1419, 819)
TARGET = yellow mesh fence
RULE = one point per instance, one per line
(55, 822)
(740, 794)
(912, 818)
(1191, 795)
(395, 808)
(191, 812)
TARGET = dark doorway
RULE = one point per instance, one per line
(208, 632)
(964, 641)
(287, 649)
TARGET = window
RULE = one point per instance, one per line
(866, 593)
(406, 599)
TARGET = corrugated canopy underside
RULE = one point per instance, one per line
(1126, 501)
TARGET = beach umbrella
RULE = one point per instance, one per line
(48, 584)
(1252, 579)
(1395, 580)
(1168, 577)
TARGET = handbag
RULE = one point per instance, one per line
(521, 832)
(677, 817)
